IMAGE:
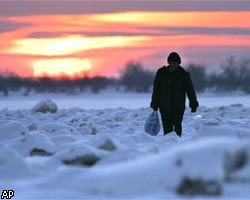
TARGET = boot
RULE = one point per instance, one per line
(178, 131)
(168, 131)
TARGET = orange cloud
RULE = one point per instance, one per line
(179, 19)
(70, 44)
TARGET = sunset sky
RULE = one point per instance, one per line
(97, 37)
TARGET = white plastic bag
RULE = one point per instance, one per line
(152, 125)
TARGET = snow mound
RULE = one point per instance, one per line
(11, 162)
(32, 144)
(62, 139)
(237, 165)
(79, 154)
(45, 106)
(11, 129)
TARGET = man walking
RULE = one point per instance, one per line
(171, 85)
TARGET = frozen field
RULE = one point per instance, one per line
(94, 146)
(113, 100)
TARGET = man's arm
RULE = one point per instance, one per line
(156, 92)
(193, 103)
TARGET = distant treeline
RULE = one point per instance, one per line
(233, 75)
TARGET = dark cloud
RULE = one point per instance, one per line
(47, 34)
(38, 7)
(6, 26)
(89, 34)
(198, 30)
(149, 31)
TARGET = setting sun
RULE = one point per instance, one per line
(57, 67)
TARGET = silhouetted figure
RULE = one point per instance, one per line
(171, 85)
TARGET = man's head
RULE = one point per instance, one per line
(174, 57)
(174, 60)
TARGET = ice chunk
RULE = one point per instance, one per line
(45, 106)
(57, 128)
(107, 145)
(198, 186)
(78, 154)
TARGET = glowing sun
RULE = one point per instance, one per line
(57, 67)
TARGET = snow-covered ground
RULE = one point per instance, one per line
(113, 99)
(94, 146)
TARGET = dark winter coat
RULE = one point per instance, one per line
(170, 89)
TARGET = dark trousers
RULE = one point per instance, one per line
(172, 121)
